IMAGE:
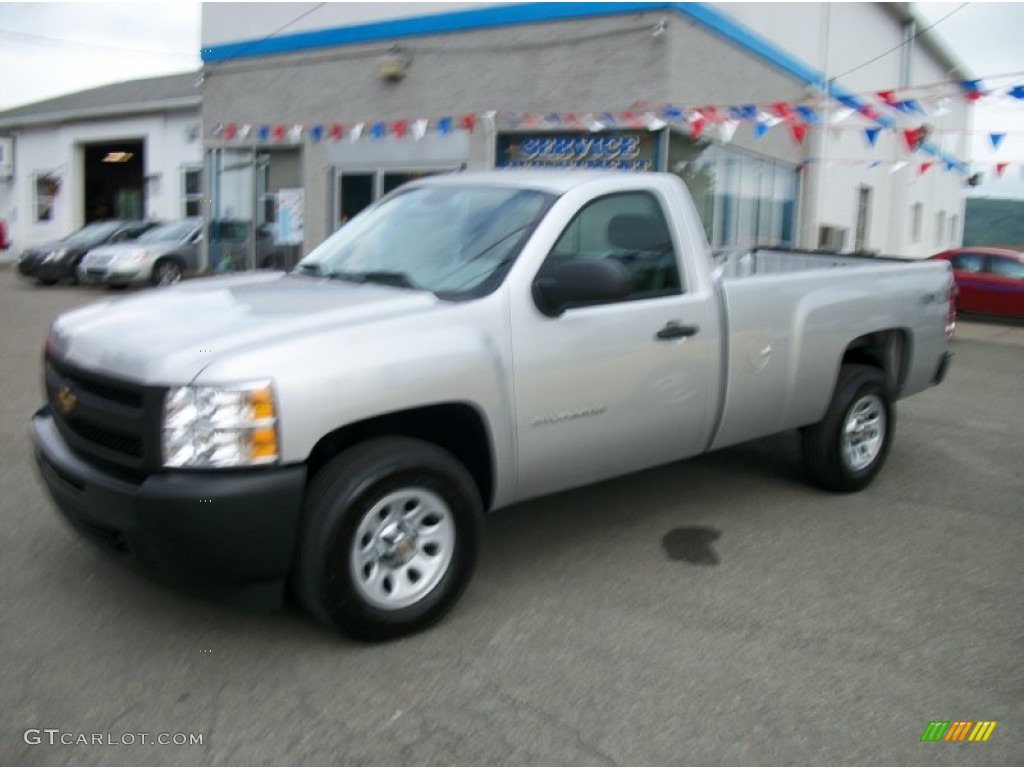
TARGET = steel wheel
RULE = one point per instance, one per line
(864, 432)
(166, 272)
(402, 548)
(847, 448)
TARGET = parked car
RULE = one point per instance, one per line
(52, 262)
(160, 256)
(468, 342)
(989, 281)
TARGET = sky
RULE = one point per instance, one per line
(48, 49)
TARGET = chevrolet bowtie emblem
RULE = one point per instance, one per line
(65, 400)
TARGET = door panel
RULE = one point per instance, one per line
(599, 392)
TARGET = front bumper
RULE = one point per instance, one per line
(227, 535)
(109, 275)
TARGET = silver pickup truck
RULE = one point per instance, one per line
(469, 342)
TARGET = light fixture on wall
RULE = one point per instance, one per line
(118, 157)
(393, 66)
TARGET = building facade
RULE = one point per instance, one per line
(128, 150)
(770, 112)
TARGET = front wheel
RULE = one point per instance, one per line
(390, 539)
(846, 449)
(166, 272)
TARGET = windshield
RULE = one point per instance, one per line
(93, 233)
(176, 230)
(452, 241)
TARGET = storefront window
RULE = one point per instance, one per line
(742, 199)
(192, 191)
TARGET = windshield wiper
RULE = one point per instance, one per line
(398, 279)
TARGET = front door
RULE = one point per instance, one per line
(608, 389)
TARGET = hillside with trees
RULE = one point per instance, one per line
(994, 221)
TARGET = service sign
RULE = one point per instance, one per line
(620, 150)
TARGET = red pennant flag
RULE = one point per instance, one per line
(229, 131)
(398, 128)
(1000, 167)
(781, 109)
(889, 97)
(467, 122)
(912, 136)
(869, 112)
(798, 131)
(711, 114)
(278, 132)
(336, 132)
(923, 168)
(697, 123)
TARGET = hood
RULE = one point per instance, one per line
(42, 249)
(168, 336)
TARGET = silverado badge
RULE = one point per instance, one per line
(65, 400)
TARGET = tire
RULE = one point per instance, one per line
(391, 531)
(846, 449)
(166, 272)
(46, 281)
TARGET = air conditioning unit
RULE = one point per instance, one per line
(6, 158)
(831, 238)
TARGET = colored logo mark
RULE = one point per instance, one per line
(959, 730)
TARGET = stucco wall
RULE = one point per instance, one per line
(171, 142)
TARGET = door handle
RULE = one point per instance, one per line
(674, 330)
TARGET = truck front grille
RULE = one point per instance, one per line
(110, 421)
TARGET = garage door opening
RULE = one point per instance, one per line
(114, 180)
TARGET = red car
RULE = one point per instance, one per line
(989, 281)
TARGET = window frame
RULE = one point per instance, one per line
(186, 196)
(659, 204)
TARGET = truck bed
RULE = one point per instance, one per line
(735, 264)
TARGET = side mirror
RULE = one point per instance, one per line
(580, 282)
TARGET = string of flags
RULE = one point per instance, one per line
(903, 113)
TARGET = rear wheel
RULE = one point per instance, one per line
(390, 538)
(845, 450)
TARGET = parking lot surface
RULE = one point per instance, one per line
(716, 611)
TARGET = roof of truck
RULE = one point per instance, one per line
(557, 181)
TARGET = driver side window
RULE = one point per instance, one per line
(628, 227)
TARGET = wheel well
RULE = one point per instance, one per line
(889, 351)
(171, 257)
(456, 427)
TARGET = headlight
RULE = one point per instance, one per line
(138, 255)
(227, 426)
(56, 255)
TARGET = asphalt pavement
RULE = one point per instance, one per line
(715, 611)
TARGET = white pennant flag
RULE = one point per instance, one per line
(295, 133)
(770, 120)
(898, 166)
(727, 129)
(356, 131)
(941, 106)
(840, 115)
(419, 128)
(244, 131)
(654, 123)
(592, 124)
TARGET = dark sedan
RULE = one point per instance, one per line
(989, 281)
(51, 262)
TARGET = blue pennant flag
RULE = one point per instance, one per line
(316, 133)
(378, 129)
(950, 165)
(871, 134)
(909, 106)
(608, 118)
(743, 112)
(673, 113)
(263, 132)
(1017, 92)
(444, 126)
(807, 114)
(760, 129)
(849, 101)
(996, 139)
